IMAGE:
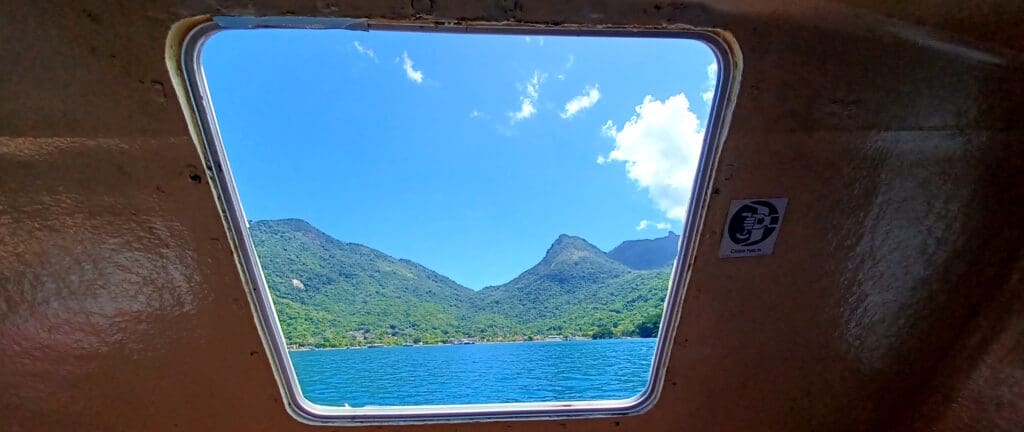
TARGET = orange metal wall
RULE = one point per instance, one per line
(894, 299)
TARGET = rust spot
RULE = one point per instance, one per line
(193, 174)
(328, 6)
(422, 7)
(91, 16)
(159, 92)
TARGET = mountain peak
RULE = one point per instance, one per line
(569, 239)
(647, 254)
(290, 223)
(285, 225)
(573, 246)
(570, 265)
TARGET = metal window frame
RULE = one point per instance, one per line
(311, 413)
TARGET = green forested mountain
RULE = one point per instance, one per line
(647, 254)
(328, 292)
(331, 293)
(570, 269)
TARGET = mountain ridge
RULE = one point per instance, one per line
(647, 254)
(353, 294)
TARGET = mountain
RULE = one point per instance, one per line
(328, 290)
(570, 266)
(330, 293)
(647, 254)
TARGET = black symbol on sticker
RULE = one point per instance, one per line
(753, 223)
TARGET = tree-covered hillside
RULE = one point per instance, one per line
(571, 267)
(329, 293)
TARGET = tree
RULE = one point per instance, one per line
(602, 333)
(648, 328)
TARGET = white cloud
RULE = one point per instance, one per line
(526, 110)
(660, 146)
(568, 65)
(609, 130)
(477, 114)
(533, 86)
(526, 102)
(413, 74)
(579, 103)
(646, 224)
(365, 51)
(709, 94)
(539, 40)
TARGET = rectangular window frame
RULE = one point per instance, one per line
(212, 150)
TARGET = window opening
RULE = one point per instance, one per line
(449, 225)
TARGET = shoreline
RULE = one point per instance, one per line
(290, 350)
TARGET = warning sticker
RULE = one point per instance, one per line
(752, 227)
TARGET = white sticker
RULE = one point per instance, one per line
(752, 227)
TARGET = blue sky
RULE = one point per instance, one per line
(467, 154)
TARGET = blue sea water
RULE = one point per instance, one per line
(481, 373)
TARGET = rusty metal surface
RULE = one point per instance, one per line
(893, 300)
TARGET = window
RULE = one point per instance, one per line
(459, 223)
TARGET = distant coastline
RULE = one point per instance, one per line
(573, 339)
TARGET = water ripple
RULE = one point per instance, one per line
(482, 373)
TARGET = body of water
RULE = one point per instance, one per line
(481, 373)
